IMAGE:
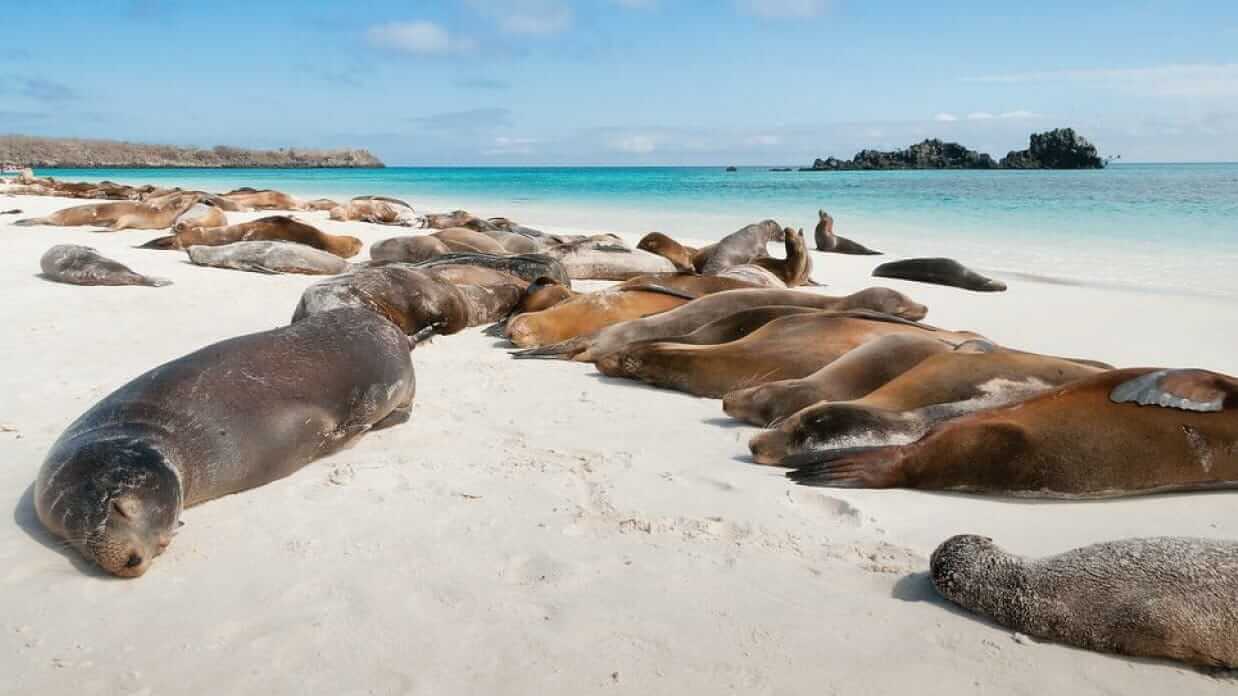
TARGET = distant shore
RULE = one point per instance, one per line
(72, 153)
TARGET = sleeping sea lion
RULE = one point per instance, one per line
(269, 257)
(269, 229)
(828, 241)
(118, 216)
(82, 265)
(679, 255)
(938, 271)
(529, 267)
(265, 199)
(465, 239)
(606, 259)
(233, 416)
(592, 311)
(376, 210)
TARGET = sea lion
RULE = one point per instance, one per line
(233, 416)
(754, 275)
(938, 271)
(786, 348)
(118, 216)
(740, 247)
(415, 299)
(850, 377)
(269, 257)
(529, 267)
(82, 265)
(681, 256)
(441, 221)
(592, 311)
(265, 199)
(270, 229)
(795, 268)
(377, 210)
(320, 204)
(1163, 597)
(542, 293)
(409, 249)
(1118, 433)
(735, 326)
(830, 242)
(506, 225)
(606, 259)
(975, 375)
(465, 239)
(706, 309)
(201, 215)
(511, 242)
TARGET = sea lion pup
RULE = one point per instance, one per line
(377, 210)
(233, 416)
(265, 199)
(786, 348)
(82, 265)
(592, 311)
(606, 258)
(321, 204)
(740, 247)
(414, 299)
(528, 267)
(938, 271)
(795, 268)
(121, 215)
(830, 242)
(706, 309)
(1163, 597)
(1118, 433)
(850, 377)
(681, 256)
(270, 229)
(975, 375)
(269, 257)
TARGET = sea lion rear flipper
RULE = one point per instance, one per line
(850, 467)
(660, 289)
(496, 330)
(162, 243)
(1187, 390)
(563, 350)
(29, 222)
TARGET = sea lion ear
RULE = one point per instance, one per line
(975, 345)
(1187, 390)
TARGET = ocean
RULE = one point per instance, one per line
(1160, 227)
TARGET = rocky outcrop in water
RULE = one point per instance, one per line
(44, 153)
(1056, 149)
(1061, 148)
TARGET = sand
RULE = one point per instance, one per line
(537, 528)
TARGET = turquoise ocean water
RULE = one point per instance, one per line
(1162, 226)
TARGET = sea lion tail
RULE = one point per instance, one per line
(848, 467)
(162, 243)
(563, 350)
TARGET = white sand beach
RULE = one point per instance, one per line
(537, 528)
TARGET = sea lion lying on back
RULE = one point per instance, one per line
(740, 247)
(120, 215)
(377, 210)
(706, 309)
(830, 242)
(1165, 597)
(82, 265)
(269, 257)
(975, 375)
(938, 271)
(270, 229)
(265, 199)
(1118, 433)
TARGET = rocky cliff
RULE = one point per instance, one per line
(1056, 149)
(43, 153)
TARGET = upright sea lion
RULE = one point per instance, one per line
(1164, 597)
(269, 257)
(265, 199)
(786, 348)
(230, 417)
(976, 375)
(590, 312)
(740, 247)
(828, 241)
(530, 267)
(940, 272)
(681, 256)
(1122, 432)
(795, 268)
(706, 309)
(118, 216)
(81, 265)
(604, 259)
(269, 229)
(850, 377)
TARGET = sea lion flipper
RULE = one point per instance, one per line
(1187, 390)
(850, 467)
(660, 289)
(156, 282)
(163, 243)
(563, 350)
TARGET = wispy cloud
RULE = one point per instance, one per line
(1194, 80)
(638, 144)
(945, 117)
(784, 8)
(467, 121)
(527, 17)
(38, 89)
(419, 37)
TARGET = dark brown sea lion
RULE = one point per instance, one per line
(233, 416)
(265, 199)
(590, 312)
(679, 255)
(414, 299)
(81, 265)
(828, 241)
(269, 257)
(740, 247)
(938, 271)
(1093, 438)
(118, 216)
(1164, 597)
(706, 309)
(786, 348)
(269, 229)
(850, 377)
(976, 375)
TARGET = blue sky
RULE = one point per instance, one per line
(626, 81)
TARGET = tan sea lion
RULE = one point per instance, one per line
(201, 215)
(1164, 597)
(740, 247)
(321, 204)
(786, 348)
(460, 237)
(754, 275)
(269, 257)
(706, 309)
(938, 271)
(683, 257)
(441, 221)
(590, 312)
(265, 199)
(830, 242)
(269, 229)
(376, 210)
(82, 265)
(121, 215)
(850, 377)
(795, 268)
(976, 375)
(233, 416)
(1119, 433)
(409, 249)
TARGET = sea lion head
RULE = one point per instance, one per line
(671, 250)
(966, 568)
(542, 293)
(123, 507)
(828, 425)
(760, 404)
(888, 301)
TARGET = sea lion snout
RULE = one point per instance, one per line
(769, 447)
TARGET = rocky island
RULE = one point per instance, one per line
(72, 153)
(1061, 148)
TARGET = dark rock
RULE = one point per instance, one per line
(731, 169)
(1056, 149)
(1061, 148)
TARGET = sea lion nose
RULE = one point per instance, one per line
(134, 561)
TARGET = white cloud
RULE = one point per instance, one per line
(1195, 80)
(637, 144)
(1018, 114)
(944, 117)
(424, 38)
(979, 116)
(527, 17)
(762, 140)
(784, 8)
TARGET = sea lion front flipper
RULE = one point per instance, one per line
(850, 467)
(1187, 390)
(659, 289)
